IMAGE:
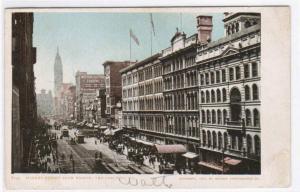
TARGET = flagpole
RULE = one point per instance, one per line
(151, 40)
(129, 47)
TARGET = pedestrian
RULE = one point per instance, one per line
(71, 156)
(96, 155)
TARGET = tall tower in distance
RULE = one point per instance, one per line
(58, 74)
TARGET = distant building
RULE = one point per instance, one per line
(58, 81)
(44, 103)
(101, 106)
(86, 91)
(113, 85)
(24, 110)
(66, 101)
(58, 74)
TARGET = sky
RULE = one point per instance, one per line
(87, 40)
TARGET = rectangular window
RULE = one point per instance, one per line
(223, 75)
(246, 71)
(231, 77)
(254, 70)
(218, 77)
(212, 77)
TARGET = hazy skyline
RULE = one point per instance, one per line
(86, 40)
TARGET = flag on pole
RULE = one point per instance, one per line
(152, 23)
(132, 35)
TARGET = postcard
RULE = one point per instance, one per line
(186, 97)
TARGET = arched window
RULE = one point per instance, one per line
(217, 76)
(202, 79)
(202, 97)
(212, 77)
(223, 75)
(235, 105)
(213, 114)
(225, 140)
(249, 144)
(208, 116)
(224, 95)
(254, 69)
(247, 93)
(213, 97)
(256, 118)
(219, 114)
(203, 116)
(207, 97)
(231, 75)
(204, 137)
(214, 139)
(246, 71)
(248, 117)
(255, 92)
(237, 73)
(206, 78)
(220, 140)
(256, 145)
(208, 139)
(224, 117)
(218, 95)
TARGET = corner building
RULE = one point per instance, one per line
(229, 87)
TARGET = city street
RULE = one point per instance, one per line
(83, 156)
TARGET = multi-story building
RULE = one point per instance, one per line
(142, 99)
(86, 91)
(66, 99)
(44, 103)
(24, 109)
(113, 86)
(229, 71)
(180, 91)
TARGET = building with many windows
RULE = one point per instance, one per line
(87, 86)
(203, 94)
(113, 87)
(142, 99)
(229, 71)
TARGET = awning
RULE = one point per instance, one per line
(96, 126)
(230, 161)
(211, 166)
(164, 149)
(103, 127)
(190, 155)
(111, 131)
(142, 142)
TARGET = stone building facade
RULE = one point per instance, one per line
(180, 91)
(209, 100)
(229, 87)
(142, 99)
(24, 109)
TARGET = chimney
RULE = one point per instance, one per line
(204, 27)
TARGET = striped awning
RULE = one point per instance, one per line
(165, 149)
